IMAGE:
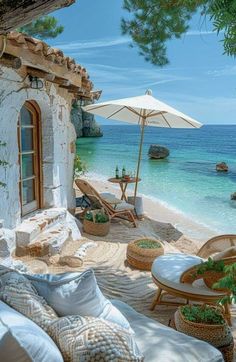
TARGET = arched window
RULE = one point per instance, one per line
(29, 158)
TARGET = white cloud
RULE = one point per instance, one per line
(94, 44)
(201, 32)
(222, 72)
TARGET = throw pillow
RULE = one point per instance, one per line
(17, 291)
(77, 293)
(93, 339)
(21, 340)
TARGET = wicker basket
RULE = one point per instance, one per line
(142, 258)
(216, 334)
(212, 277)
(93, 228)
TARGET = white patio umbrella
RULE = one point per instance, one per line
(144, 110)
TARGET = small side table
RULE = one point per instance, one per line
(123, 184)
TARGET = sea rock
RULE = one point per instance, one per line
(233, 196)
(84, 123)
(158, 152)
(222, 167)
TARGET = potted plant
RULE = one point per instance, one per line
(208, 322)
(142, 252)
(96, 222)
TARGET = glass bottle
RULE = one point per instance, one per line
(123, 172)
(117, 172)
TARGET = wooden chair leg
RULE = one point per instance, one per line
(132, 219)
(156, 299)
(228, 314)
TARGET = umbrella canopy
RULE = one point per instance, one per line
(143, 110)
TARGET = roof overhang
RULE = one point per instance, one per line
(35, 58)
(16, 13)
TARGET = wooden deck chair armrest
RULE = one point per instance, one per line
(208, 248)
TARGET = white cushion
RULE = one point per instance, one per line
(76, 293)
(159, 343)
(21, 340)
(107, 194)
(124, 206)
(171, 266)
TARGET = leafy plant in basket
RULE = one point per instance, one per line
(208, 322)
(99, 217)
(96, 222)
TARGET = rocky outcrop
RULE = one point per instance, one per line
(233, 196)
(222, 167)
(158, 152)
(85, 123)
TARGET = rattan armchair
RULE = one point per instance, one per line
(176, 274)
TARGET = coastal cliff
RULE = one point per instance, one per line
(85, 123)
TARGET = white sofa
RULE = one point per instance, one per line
(157, 342)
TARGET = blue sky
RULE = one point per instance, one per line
(199, 81)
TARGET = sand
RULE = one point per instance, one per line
(108, 257)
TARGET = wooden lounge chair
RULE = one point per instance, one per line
(121, 210)
(176, 273)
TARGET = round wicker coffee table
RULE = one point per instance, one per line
(142, 252)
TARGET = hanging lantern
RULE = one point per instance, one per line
(35, 82)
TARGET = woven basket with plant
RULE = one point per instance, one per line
(96, 222)
(142, 252)
(206, 323)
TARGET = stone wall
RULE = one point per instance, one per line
(58, 137)
(84, 123)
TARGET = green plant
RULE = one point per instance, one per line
(80, 167)
(100, 217)
(44, 27)
(202, 314)
(211, 265)
(228, 282)
(148, 244)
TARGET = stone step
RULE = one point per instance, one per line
(48, 243)
(33, 226)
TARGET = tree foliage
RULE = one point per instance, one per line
(152, 23)
(43, 28)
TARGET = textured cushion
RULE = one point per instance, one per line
(124, 206)
(93, 339)
(76, 293)
(21, 340)
(17, 291)
(227, 253)
(159, 343)
(171, 266)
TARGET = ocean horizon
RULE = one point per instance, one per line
(186, 181)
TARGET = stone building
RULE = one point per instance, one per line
(37, 139)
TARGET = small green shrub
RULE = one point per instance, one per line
(202, 314)
(211, 265)
(80, 167)
(100, 217)
(148, 244)
(228, 282)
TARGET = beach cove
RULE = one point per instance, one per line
(185, 189)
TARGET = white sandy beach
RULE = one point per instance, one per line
(155, 210)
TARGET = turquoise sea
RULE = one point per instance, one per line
(187, 181)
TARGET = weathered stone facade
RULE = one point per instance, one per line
(58, 136)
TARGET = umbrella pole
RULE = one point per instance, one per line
(139, 156)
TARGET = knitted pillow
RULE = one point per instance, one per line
(17, 291)
(93, 339)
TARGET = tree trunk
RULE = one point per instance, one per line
(16, 13)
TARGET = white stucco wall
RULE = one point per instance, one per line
(57, 135)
